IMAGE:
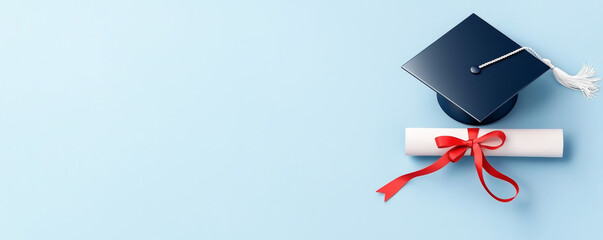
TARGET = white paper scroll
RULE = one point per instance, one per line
(519, 142)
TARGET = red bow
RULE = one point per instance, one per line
(459, 147)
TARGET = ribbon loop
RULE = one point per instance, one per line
(459, 147)
(492, 135)
(448, 141)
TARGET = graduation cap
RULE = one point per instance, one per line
(477, 72)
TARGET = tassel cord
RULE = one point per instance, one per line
(584, 80)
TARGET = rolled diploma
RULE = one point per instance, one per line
(519, 142)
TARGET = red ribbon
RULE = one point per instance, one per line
(459, 147)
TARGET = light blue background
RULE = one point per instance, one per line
(274, 120)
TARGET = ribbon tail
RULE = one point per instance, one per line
(395, 185)
(503, 177)
(482, 163)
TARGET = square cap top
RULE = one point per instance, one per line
(444, 66)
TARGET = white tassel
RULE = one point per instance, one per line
(584, 81)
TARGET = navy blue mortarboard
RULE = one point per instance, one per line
(477, 71)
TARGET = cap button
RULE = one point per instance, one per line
(475, 69)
